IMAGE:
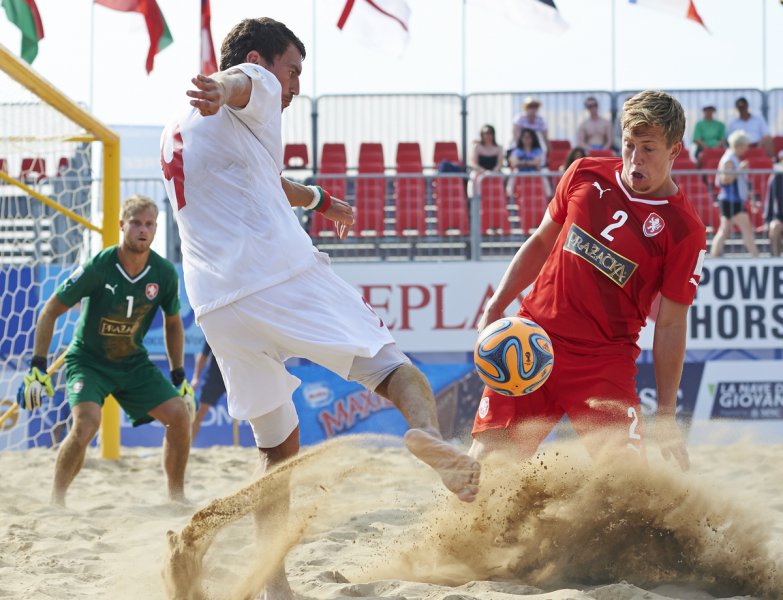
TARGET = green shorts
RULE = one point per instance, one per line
(138, 387)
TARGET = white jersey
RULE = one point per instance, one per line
(222, 175)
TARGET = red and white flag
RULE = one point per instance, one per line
(379, 24)
(681, 8)
(208, 62)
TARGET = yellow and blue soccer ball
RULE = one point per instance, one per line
(513, 356)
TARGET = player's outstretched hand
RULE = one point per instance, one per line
(671, 442)
(36, 383)
(209, 97)
(490, 316)
(342, 214)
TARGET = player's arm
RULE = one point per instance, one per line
(668, 356)
(202, 358)
(44, 328)
(313, 197)
(174, 336)
(522, 270)
(231, 87)
(726, 174)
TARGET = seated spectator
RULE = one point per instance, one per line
(575, 154)
(773, 210)
(594, 131)
(487, 154)
(527, 155)
(734, 187)
(754, 126)
(709, 132)
(530, 119)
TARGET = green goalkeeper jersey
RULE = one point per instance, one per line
(118, 309)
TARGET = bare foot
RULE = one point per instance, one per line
(459, 472)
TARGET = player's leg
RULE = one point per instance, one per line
(146, 394)
(719, 239)
(742, 220)
(173, 414)
(603, 407)
(775, 234)
(518, 425)
(212, 389)
(70, 457)
(390, 374)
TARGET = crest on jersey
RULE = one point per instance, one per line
(653, 225)
(152, 290)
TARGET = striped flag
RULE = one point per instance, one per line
(541, 15)
(378, 24)
(681, 8)
(24, 14)
(160, 36)
(208, 62)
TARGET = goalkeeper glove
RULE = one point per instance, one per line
(185, 391)
(37, 382)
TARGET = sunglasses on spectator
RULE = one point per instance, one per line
(591, 105)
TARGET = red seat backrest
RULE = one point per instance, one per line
(446, 151)
(33, 169)
(452, 206)
(296, 156)
(494, 205)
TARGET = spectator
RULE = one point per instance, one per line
(709, 132)
(754, 126)
(733, 184)
(773, 211)
(618, 130)
(530, 119)
(527, 155)
(575, 154)
(487, 154)
(595, 131)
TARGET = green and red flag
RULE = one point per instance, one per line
(24, 14)
(160, 36)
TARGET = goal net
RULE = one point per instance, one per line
(52, 206)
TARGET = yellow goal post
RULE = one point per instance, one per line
(59, 204)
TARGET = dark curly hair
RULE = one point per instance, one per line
(266, 36)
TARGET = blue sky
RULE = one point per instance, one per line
(652, 49)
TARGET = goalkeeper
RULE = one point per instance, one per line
(121, 290)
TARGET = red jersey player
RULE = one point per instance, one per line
(617, 233)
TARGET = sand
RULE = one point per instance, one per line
(370, 521)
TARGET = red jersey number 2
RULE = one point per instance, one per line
(174, 169)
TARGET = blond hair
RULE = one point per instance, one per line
(738, 138)
(657, 109)
(135, 204)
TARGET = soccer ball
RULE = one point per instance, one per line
(513, 356)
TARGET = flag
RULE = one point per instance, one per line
(24, 14)
(681, 8)
(160, 36)
(379, 24)
(540, 15)
(208, 61)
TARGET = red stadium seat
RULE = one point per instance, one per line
(33, 169)
(409, 201)
(710, 158)
(494, 205)
(446, 151)
(371, 156)
(683, 162)
(758, 184)
(4, 165)
(452, 206)
(409, 157)
(295, 156)
(701, 198)
(600, 152)
(333, 163)
(63, 164)
(370, 191)
(532, 198)
(334, 154)
(756, 152)
(556, 158)
(777, 144)
(560, 145)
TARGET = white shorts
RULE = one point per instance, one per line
(314, 315)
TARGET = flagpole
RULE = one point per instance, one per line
(92, 54)
(764, 45)
(614, 44)
(314, 54)
(464, 53)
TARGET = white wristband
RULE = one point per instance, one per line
(316, 197)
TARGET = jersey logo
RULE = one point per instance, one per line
(115, 328)
(653, 225)
(111, 288)
(615, 266)
(601, 192)
(152, 290)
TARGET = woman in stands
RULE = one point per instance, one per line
(487, 153)
(528, 155)
(734, 188)
(575, 154)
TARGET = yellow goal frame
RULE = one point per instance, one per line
(25, 76)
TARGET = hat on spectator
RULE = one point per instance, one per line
(530, 101)
(709, 107)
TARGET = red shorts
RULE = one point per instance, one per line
(598, 393)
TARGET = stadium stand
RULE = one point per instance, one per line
(296, 156)
(409, 192)
(494, 206)
(33, 170)
(446, 151)
(370, 202)
(597, 152)
(531, 194)
(710, 158)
